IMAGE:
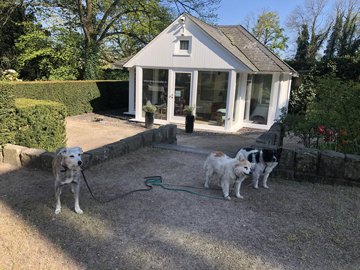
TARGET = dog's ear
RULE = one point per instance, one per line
(61, 151)
(80, 150)
(240, 156)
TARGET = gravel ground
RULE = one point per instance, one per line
(291, 226)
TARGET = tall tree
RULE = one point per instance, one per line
(268, 31)
(12, 18)
(302, 44)
(333, 41)
(344, 39)
(349, 40)
(312, 14)
(101, 19)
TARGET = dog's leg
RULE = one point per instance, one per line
(225, 188)
(255, 180)
(209, 174)
(58, 189)
(76, 188)
(266, 176)
(238, 186)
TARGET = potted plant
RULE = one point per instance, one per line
(189, 119)
(149, 110)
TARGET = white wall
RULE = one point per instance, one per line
(206, 53)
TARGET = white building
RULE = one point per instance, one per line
(224, 72)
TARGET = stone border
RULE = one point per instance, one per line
(37, 158)
(307, 164)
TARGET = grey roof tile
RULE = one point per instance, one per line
(245, 47)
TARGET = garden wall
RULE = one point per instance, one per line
(38, 158)
(306, 164)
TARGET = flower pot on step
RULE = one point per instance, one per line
(189, 123)
(149, 120)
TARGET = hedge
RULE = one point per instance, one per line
(78, 96)
(7, 114)
(41, 124)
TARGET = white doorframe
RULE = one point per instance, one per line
(230, 99)
(172, 94)
(138, 93)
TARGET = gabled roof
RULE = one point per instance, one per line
(245, 47)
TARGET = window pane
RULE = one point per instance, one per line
(257, 100)
(155, 90)
(211, 97)
(184, 45)
(182, 92)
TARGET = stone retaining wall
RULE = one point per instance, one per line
(22, 156)
(306, 164)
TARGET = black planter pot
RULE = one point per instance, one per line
(149, 120)
(189, 123)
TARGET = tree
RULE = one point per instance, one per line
(268, 31)
(144, 29)
(99, 20)
(344, 39)
(349, 41)
(333, 41)
(45, 56)
(311, 15)
(302, 44)
(12, 17)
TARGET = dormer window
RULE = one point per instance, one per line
(183, 46)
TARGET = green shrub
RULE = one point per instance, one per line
(41, 124)
(78, 96)
(332, 119)
(7, 114)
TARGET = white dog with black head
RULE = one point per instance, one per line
(227, 171)
(262, 163)
(66, 169)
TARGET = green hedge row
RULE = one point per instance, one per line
(78, 96)
(40, 124)
(7, 114)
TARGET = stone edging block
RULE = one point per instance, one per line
(22, 156)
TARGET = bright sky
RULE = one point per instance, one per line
(233, 12)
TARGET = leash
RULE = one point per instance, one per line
(150, 182)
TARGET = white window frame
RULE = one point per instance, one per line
(178, 51)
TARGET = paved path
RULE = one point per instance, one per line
(92, 130)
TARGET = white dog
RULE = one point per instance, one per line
(262, 163)
(66, 169)
(228, 171)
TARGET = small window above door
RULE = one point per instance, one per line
(183, 46)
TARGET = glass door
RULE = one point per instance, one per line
(181, 95)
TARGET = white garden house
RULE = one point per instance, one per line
(224, 72)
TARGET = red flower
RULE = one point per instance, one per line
(321, 129)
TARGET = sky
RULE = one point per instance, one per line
(234, 12)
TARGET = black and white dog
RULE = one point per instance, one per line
(262, 163)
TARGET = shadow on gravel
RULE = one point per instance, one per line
(291, 226)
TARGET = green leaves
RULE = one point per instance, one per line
(268, 31)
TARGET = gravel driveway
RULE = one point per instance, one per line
(291, 226)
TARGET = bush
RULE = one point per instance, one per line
(332, 119)
(7, 114)
(41, 124)
(78, 96)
